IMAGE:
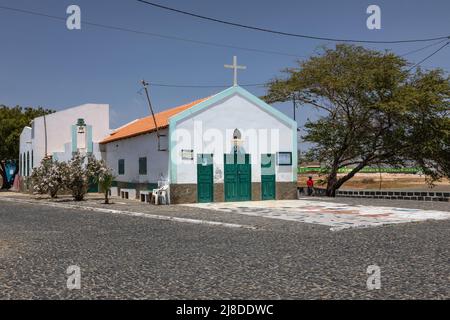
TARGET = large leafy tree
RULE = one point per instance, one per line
(12, 122)
(375, 112)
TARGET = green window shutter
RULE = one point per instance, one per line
(121, 166)
(143, 166)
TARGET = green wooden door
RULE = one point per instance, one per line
(205, 181)
(268, 181)
(237, 177)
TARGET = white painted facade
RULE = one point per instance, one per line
(26, 158)
(130, 150)
(212, 131)
(208, 131)
(56, 130)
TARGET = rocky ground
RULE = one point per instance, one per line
(144, 257)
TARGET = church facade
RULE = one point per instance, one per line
(231, 146)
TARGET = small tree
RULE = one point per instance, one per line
(100, 173)
(48, 178)
(77, 177)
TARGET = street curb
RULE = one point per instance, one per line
(131, 213)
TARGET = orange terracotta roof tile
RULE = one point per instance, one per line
(147, 125)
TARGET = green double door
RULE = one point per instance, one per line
(205, 180)
(237, 177)
(268, 181)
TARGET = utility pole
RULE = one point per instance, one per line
(294, 105)
(158, 135)
(45, 132)
(145, 84)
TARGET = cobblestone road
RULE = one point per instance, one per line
(139, 258)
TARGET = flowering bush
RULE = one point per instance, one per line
(48, 178)
(77, 177)
(52, 176)
(100, 173)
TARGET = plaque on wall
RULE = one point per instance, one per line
(187, 154)
(284, 158)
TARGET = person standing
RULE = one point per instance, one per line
(310, 185)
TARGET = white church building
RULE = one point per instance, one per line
(231, 146)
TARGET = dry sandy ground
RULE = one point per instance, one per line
(366, 181)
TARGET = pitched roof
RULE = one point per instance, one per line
(147, 125)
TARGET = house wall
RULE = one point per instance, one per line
(59, 136)
(211, 131)
(131, 150)
(25, 147)
(59, 130)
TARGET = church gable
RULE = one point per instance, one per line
(222, 97)
(209, 129)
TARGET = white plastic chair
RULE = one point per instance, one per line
(155, 194)
(163, 194)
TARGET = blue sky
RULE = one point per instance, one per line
(44, 64)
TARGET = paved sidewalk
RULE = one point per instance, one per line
(337, 216)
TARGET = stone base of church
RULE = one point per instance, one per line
(286, 190)
(183, 193)
(187, 193)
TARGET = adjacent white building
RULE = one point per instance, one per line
(60, 134)
(228, 147)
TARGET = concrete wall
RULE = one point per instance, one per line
(131, 150)
(211, 131)
(59, 131)
(59, 127)
(25, 148)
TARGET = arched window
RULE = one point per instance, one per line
(32, 160)
(28, 163)
(237, 142)
(237, 134)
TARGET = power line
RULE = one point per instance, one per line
(155, 84)
(206, 43)
(429, 56)
(421, 49)
(285, 33)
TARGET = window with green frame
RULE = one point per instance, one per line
(121, 166)
(143, 166)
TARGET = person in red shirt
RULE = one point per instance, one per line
(310, 185)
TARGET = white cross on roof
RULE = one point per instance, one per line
(235, 68)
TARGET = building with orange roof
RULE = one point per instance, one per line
(231, 146)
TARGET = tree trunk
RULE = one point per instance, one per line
(4, 184)
(106, 197)
(331, 184)
(334, 183)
